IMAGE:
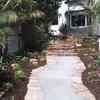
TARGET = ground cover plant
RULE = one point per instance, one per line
(89, 54)
(14, 72)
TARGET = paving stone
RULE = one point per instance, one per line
(60, 79)
(77, 80)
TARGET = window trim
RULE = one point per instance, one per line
(72, 27)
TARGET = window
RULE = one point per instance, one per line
(77, 20)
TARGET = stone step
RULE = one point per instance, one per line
(62, 54)
(59, 48)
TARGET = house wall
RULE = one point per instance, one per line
(74, 8)
(77, 30)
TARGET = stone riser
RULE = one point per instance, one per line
(62, 54)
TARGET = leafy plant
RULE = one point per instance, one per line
(1, 94)
(2, 64)
(42, 58)
(64, 30)
(7, 86)
(15, 67)
(19, 75)
(89, 58)
(80, 49)
(36, 40)
(97, 60)
(94, 76)
(12, 98)
(3, 41)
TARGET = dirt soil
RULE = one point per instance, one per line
(21, 89)
(94, 88)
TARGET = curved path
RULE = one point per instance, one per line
(60, 79)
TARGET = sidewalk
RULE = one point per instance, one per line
(60, 79)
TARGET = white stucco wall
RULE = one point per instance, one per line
(61, 18)
(61, 11)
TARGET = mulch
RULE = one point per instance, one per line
(21, 89)
(93, 88)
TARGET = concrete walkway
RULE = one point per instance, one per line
(60, 79)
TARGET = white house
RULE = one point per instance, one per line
(54, 29)
(77, 19)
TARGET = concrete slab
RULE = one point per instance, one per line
(58, 80)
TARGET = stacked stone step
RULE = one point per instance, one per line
(60, 50)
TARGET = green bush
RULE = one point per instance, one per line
(7, 86)
(12, 98)
(19, 75)
(2, 64)
(94, 76)
(34, 38)
(64, 30)
(42, 58)
(98, 60)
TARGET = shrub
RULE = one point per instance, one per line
(64, 30)
(34, 38)
(3, 41)
(12, 98)
(15, 67)
(98, 60)
(19, 75)
(7, 86)
(42, 58)
(94, 76)
(2, 64)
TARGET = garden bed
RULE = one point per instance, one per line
(88, 52)
(16, 76)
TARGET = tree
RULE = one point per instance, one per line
(17, 11)
(38, 13)
(49, 7)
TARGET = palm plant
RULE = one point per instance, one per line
(17, 11)
(49, 7)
